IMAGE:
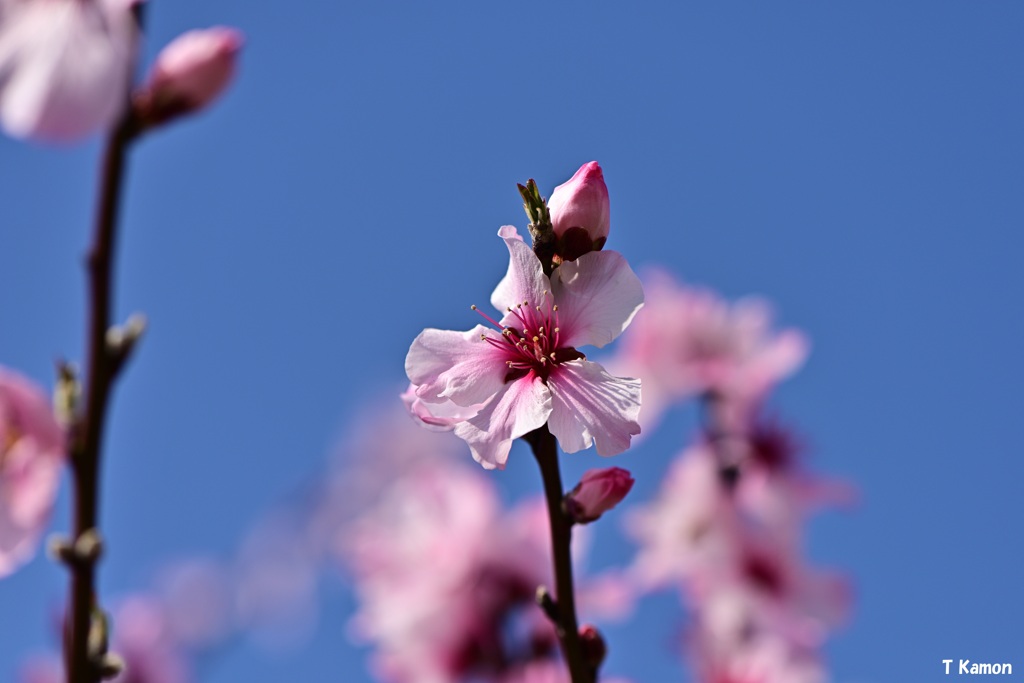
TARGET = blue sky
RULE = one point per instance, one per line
(858, 163)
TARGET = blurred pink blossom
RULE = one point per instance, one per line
(31, 457)
(691, 523)
(446, 578)
(527, 372)
(140, 637)
(687, 341)
(598, 492)
(441, 575)
(190, 73)
(275, 579)
(759, 660)
(65, 66)
(196, 596)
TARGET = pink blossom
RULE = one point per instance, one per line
(762, 659)
(65, 66)
(437, 416)
(190, 73)
(528, 372)
(775, 488)
(196, 599)
(141, 637)
(598, 491)
(440, 574)
(580, 213)
(689, 526)
(31, 457)
(444, 575)
(275, 581)
(688, 341)
(767, 587)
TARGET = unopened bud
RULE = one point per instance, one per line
(598, 491)
(580, 213)
(189, 74)
(67, 394)
(594, 647)
(110, 666)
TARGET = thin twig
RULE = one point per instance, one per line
(545, 449)
(100, 371)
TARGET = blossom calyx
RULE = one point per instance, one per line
(580, 214)
(189, 74)
(598, 492)
(595, 649)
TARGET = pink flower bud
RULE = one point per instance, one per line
(597, 492)
(580, 213)
(190, 73)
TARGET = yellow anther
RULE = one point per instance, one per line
(536, 339)
(555, 307)
(472, 307)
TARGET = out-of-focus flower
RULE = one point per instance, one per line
(445, 582)
(580, 213)
(760, 659)
(189, 74)
(31, 456)
(197, 602)
(775, 488)
(528, 373)
(689, 525)
(734, 549)
(766, 587)
(276, 579)
(598, 492)
(141, 638)
(446, 578)
(65, 66)
(688, 341)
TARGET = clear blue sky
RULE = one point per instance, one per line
(861, 164)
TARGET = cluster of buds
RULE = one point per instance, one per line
(574, 221)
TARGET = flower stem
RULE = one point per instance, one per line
(545, 449)
(88, 433)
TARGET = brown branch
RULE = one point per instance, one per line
(102, 365)
(545, 449)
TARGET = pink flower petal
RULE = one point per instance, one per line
(31, 458)
(589, 405)
(457, 366)
(64, 67)
(525, 279)
(438, 417)
(523, 405)
(597, 295)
